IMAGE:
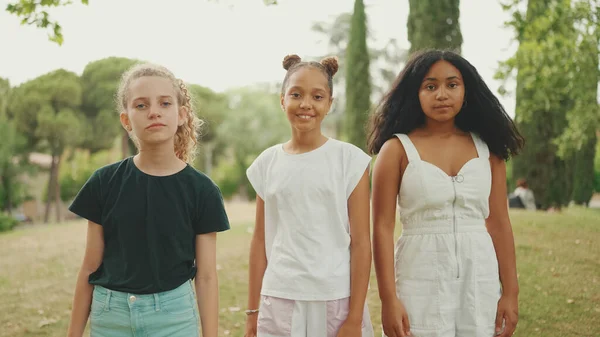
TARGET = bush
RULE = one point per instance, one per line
(227, 176)
(7, 222)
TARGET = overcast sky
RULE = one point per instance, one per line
(225, 43)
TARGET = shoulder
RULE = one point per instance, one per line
(107, 172)
(266, 156)
(346, 148)
(392, 148)
(268, 153)
(201, 182)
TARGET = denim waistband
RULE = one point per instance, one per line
(114, 298)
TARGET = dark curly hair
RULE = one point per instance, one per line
(400, 109)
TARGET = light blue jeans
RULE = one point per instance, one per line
(172, 313)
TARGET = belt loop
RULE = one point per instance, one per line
(107, 304)
(156, 302)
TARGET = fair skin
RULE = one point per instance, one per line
(307, 101)
(153, 115)
(442, 144)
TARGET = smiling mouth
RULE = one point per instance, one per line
(305, 116)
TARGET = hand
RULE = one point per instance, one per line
(251, 325)
(395, 319)
(508, 312)
(350, 329)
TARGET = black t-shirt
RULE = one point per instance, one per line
(150, 224)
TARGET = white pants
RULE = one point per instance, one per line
(280, 317)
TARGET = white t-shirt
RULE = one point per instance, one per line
(307, 237)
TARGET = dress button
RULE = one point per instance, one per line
(132, 298)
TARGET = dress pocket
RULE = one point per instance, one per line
(417, 284)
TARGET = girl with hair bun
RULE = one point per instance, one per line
(310, 254)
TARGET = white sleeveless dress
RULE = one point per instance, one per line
(445, 263)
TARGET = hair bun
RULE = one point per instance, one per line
(290, 60)
(331, 65)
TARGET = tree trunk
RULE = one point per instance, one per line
(6, 182)
(50, 189)
(57, 198)
(208, 158)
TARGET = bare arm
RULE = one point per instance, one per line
(386, 181)
(500, 229)
(360, 248)
(82, 299)
(258, 257)
(207, 284)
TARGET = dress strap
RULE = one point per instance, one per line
(482, 149)
(409, 147)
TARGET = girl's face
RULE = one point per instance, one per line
(442, 92)
(306, 100)
(152, 112)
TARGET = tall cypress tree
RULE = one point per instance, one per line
(358, 81)
(583, 170)
(541, 106)
(434, 24)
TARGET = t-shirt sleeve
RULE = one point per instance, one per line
(356, 162)
(88, 201)
(256, 174)
(211, 216)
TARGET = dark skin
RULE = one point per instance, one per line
(442, 144)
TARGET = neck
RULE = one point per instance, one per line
(158, 159)
(442, 129)
(305, 141)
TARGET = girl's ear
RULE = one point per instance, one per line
(183, 115)
(281, 101)
(125, 121)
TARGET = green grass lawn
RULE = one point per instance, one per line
(558, 264)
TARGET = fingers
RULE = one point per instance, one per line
(499, 319)
(406, 325)
(394, 331)
(398, 330)
(510, 325)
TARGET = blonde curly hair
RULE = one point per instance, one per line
(187, 135)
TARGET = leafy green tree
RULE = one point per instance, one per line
(434, 24)
(35, 12)
(384, 64)
(258, 124)
(358, 80)
(48, 110)
(12, 155)
(100, 80)
(213, 109)
(556, 109)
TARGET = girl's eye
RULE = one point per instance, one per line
(296, 95)
(453, 85)
(140, 106)
(318, 97)
(166, 103)
(430, 87)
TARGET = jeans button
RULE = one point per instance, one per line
(132, 298)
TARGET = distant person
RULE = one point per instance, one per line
(442, 139)
(150, 259)
(310, 254)
(525, 194)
